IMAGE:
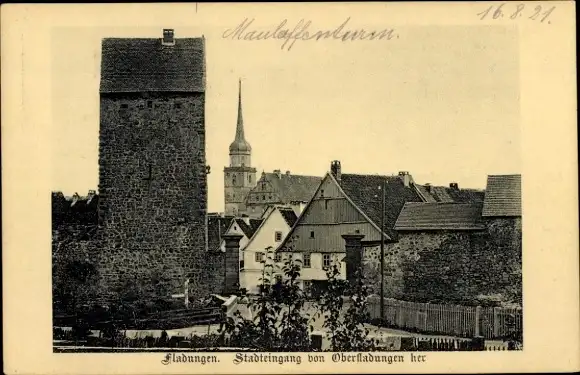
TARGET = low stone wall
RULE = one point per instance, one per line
(463, 267)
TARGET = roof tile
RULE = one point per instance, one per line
(503, 196)
(363, 191)
(289, 216)
(145, 65)
(440, 216)
(293, 188)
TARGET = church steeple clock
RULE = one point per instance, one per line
(239, 177)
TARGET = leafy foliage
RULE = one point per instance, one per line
(346, 329)
(280, 322)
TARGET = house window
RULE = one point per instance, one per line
(312, 234)
(306, 260)
(259, 257)
(326, 260)
(263, 197)
(250, 178)
(278, 257)
(241, 264)
(326, 204)
(278, 236)
(234, 179)
(322, 193)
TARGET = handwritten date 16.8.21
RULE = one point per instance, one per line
(517, 11)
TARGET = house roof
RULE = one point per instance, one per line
(466, 195)
(292, 187)
(424, 193)
(363, 192)
(146, 65)
(440, 216)
(216, 228)
(503, 196)
(289, 216)
(432, 194)
(250, 227)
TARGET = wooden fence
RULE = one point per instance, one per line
(452, 320)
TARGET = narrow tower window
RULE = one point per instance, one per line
(149, 178)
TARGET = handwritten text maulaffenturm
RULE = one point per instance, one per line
(301, 31)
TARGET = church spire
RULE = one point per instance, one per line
(240, 144)
(240, 125)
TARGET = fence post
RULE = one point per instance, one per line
(496, 323)
(477, 320)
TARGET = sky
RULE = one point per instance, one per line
(442, 102)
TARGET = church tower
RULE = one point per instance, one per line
(239, 177)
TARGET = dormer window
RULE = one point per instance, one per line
(168, 39)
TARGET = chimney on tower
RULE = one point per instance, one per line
(168, 38)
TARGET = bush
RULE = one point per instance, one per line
(280, 323)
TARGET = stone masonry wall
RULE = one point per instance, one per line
(451, 267)
(153, 195)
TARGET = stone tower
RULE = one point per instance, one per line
(152, 176)
(239, 177)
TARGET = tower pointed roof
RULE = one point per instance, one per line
(240, 144)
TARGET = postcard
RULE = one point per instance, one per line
(290, 188)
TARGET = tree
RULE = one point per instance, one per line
(280, 322)
(347, 333)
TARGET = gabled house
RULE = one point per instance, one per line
(274, 227)
(279, 188)
(346, 203)
(244, 226)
